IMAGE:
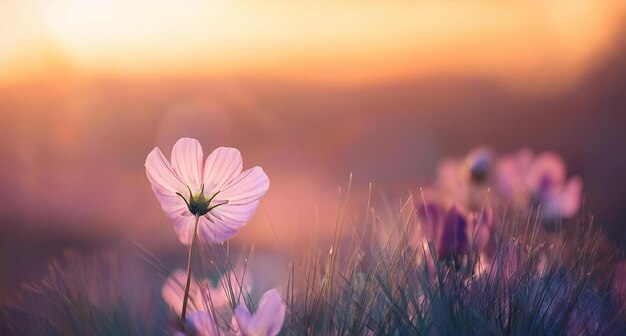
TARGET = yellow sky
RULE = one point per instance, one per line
(328, 41)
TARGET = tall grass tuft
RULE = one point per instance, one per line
(87, 295)
(532, 280)
(379, 275)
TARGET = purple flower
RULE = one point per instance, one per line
(216, 190)
(453, 231)
(528, 180)
(266, 321)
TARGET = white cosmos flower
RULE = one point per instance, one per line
(216, 190)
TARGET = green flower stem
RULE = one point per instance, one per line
(193, 242)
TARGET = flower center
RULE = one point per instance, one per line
(199, 204)
(479, 170)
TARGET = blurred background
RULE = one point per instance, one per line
(310, 92)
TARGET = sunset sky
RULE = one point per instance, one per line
(526, 43)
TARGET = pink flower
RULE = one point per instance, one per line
(527, 180)
(266, 321)
(216, 190)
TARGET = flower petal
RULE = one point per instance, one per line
(184, 227)
(173, 206)
(215, 230)
(220, 167)
(246, 188)
(570, 198)
(565, 201)
(187, 162)
(241, 320)
(546, 173)
(161, 173)
(512, 171)
(454, 235)
(241, 197)
(270, 314)
(173, 292)
(165, 183)
(234, 215)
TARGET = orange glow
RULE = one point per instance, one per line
(331, 42)
(311, 92)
